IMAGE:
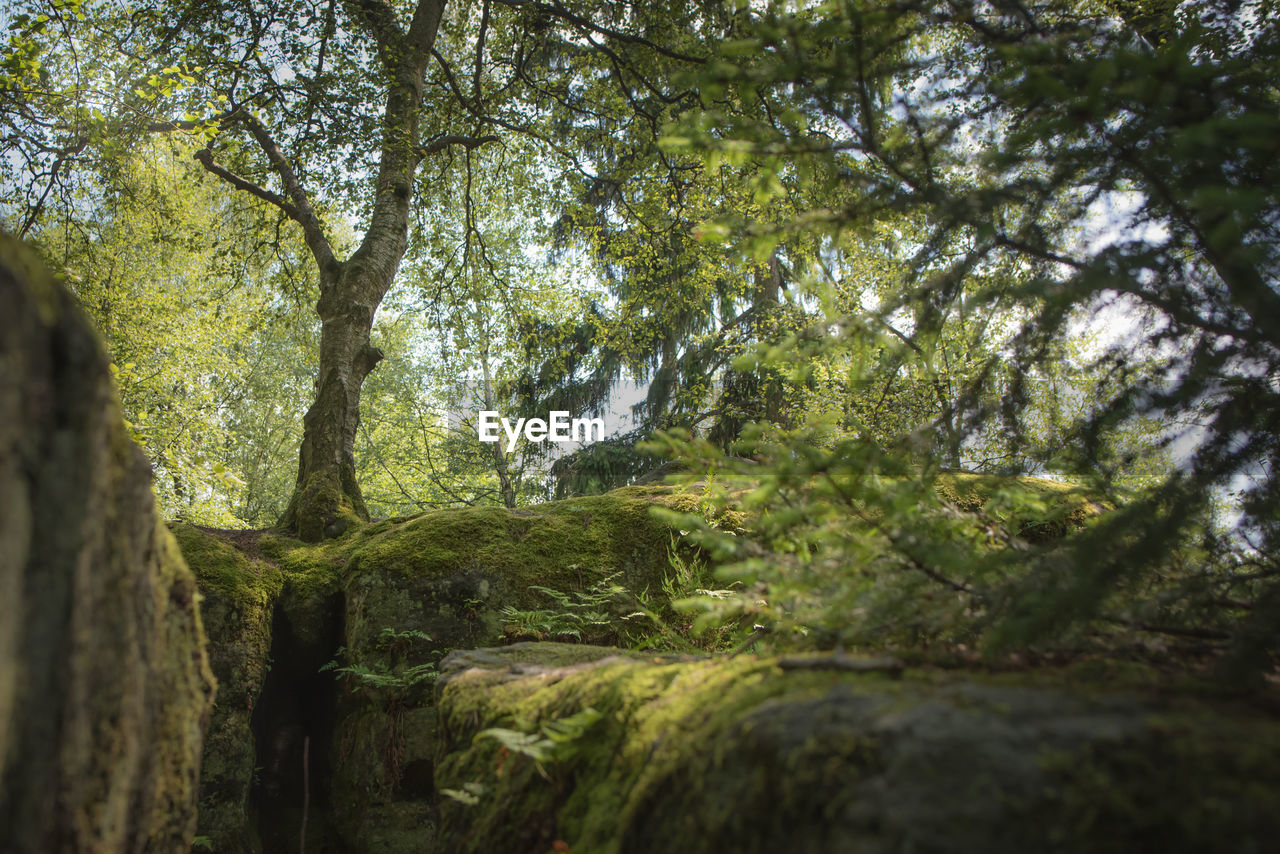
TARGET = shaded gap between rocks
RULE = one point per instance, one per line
(293, 726)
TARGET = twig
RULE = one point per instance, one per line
(759, 632)
(1174, 631)
(306, 793)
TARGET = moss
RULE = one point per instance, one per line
(737, 754)
(222, 568)
(546, 545)
(448, 574)
(1121, 796)
(403, 827)
(104, 683)
(731, 753)
(541, 655)
(239, 599)
(182, 668)
(1049, 510)
(321, 508)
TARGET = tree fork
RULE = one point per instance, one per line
(327, 497)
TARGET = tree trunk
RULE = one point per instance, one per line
(326, 497)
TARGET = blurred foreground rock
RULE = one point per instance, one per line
(105, 688)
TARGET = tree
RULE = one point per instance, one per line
(1066, 159)
(325, 111)
(350, 289)
(202, 323)
(228, 46)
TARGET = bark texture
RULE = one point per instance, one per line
(327, 496)
(105, 688)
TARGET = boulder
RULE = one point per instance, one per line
(544, 748)
(105, 688)
(415, 589)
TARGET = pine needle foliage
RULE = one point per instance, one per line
(1055, 166)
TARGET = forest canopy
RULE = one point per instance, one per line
(851, 254)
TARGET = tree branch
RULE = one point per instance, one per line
(468, 142)
(303, 214)
(205, 156)
(558, 11)
(471, 108)
(34, 213)
(380, 20)
(422, 30)
(484, 30)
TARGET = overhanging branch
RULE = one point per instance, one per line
(380, 20)
(205, 156)
(303, 214)
(558, 11)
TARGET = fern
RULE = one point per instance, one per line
(399, 677)
(555, 741)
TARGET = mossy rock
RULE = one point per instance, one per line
(409, 591)
(260, 593)
(105, 686)
(745, 755)
(447, 575)
(238, 600)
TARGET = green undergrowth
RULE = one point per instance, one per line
(831, 556)
(384, 602)
(598, 569)
(401, 677)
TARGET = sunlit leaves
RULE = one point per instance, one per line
(193, 317)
